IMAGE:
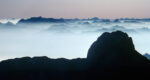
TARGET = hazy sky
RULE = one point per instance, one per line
(75, 8)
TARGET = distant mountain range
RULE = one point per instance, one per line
(111, 56)
(95, 20)
(63, 20)
(40, 19)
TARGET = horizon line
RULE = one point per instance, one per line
(78, 18)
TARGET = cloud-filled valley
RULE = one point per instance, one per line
(69, 38)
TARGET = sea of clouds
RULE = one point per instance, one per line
(70, 39)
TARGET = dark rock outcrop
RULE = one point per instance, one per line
(111, 56)
(115, 49)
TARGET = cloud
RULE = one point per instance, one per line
(78, 25)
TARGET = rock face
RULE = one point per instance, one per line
(111, 56)
(115, 49)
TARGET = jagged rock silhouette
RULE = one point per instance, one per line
(111, 56)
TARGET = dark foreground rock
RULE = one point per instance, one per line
(111, 56)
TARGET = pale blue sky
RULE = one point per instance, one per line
(75, 8)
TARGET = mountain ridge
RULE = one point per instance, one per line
(111, 56)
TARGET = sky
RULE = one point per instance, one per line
(68, 40)
(75, 8)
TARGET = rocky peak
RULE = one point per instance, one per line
(114, 48)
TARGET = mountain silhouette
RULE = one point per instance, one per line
(41, 20)
(115, 48)
(111, 56)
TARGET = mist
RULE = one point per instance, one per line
(68, 40)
